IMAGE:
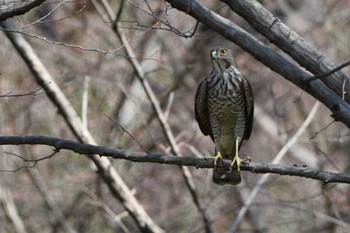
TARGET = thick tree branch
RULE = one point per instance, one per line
(88, 149)
(291, 43)
(5, 14)
(267, 56)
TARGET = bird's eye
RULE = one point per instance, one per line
(213, 53)
(223, 52)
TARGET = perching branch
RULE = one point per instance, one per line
(88, 149)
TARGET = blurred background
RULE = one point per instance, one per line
(174, 61)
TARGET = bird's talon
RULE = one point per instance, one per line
(216, 158)
(246, 160)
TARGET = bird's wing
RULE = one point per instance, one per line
(249, 103)
(201, 109)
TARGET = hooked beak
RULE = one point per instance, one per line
(213, 54)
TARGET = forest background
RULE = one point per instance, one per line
(123, 75)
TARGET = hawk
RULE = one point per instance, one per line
(224, 109)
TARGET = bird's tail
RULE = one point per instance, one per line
(223, 176)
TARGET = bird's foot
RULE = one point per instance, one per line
(216, 158)
(237, 160)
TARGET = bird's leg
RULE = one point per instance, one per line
(238, 160)
(216, 158)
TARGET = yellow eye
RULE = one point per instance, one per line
(223, 52)
(213, 53)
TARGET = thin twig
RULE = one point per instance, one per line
(32, 93)
(187, 34)
(321, 130)
(124, 130)
(86, 49)
(55, 20)
(45, 16)
(33, 161)
(313, 78)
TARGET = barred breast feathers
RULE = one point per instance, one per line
(225, 84)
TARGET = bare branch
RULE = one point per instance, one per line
(84, 102)
(321, 130)
(32, 162)
(10, 210)
(75, 46)
(140, 74)
(40, 21)
(32, 93)
(89, 150)
(110, 176)
(5, 14)
(321, 76)
(290, 42)
(187, 34)
(130, 135)
(272, 59)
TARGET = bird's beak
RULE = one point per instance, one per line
(214, 55)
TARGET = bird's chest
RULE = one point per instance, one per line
(224, 110)
(224, 104)
(225, 101)
(223, 113)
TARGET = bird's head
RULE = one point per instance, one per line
(221, 59)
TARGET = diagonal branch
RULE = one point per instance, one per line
(91, 150)
(272, 59)
(109, 175)
(140, 74)
(290, 42)
(10, 211)
(321, 76)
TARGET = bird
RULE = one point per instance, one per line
(224, 110)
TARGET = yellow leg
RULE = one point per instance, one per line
(238, 160)
(216, 158)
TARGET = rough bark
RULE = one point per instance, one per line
(92, 150)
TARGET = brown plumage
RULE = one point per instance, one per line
(224, 109)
